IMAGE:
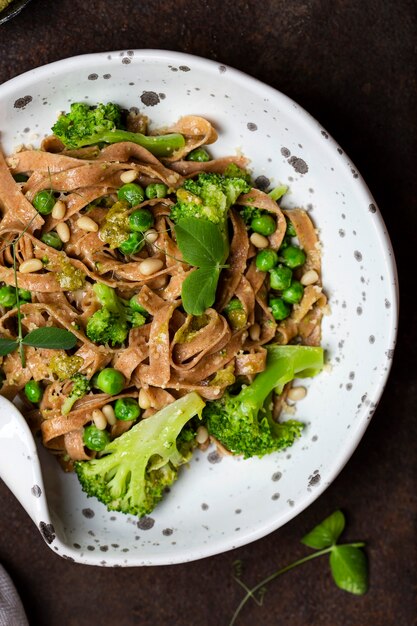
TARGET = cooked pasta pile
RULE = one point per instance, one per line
(172, 353)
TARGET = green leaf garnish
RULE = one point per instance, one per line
(7, 346)
(349, 569)
(50, 337)
(327, 533)
(203, 245)
(199, 290)
(201, 242)
(348, 562)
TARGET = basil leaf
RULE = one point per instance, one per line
(349, 569)
(327, 533)
(199, 290)
(50, 337)
(201, 242)
(7, 346)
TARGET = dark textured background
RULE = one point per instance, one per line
(352, 64)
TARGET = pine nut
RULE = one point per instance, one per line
(63, 232)
(109, 414)
(128, 176)
(151, 235)
(31, 265)
(202, 435)
(309, 278)
(59, 210)
(297, 393)
(255, 331)
(144, 400)
(99, 419)
(150, 266)
(259, 241)
(86, 223)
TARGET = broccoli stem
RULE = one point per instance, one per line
(283, 364)
(158, 145)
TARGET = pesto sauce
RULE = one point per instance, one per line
(115, 228)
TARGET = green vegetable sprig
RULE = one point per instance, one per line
(348, 563)
(203, 245)
(48, 337)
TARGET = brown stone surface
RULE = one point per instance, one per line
(352, 64)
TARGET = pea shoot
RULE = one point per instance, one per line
(44, 202)
(95, 439)
(131, 193)
(126, 409)
(156, 190)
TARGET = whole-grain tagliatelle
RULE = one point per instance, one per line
(166, 352)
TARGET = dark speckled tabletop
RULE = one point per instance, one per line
(352, 64)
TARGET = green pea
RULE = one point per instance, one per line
(133, 244)
(234, 305)
(110, 381)
(7, 296)
(266, 260)
(280, 309)
(132, 193)
(280, 278)
(25, 295)
(287, 241)
(199, 154)
(44, 202)
(293, 256)
(293, 293)
(126, 409)
(33, 391)
(291, 232)
(141, 220)
(95, 439)
(52, 239)
(93, 380)
(136, 307)
(20, 178)
(237, 319)
(264, 225)
(156, 190)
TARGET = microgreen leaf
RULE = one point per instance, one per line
(201, 242)
(7, 346)
(349, 569)
(199, 290)
(327, 533)
(50, 337)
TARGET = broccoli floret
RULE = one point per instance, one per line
(249, 213)
(138, 466)
(80, 386)
(209, 197)
(244, 423)
(112, 322)
(234, 171)
(85, 125)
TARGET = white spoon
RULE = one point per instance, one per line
(19, 465)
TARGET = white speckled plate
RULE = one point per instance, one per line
(218, 504)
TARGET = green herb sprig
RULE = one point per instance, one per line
(348, 563)
(203, 245)
(47, 337)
